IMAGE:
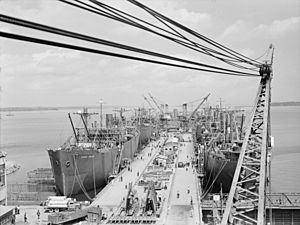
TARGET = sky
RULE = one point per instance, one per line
(36, 75)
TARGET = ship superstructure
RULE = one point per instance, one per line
(86, 160)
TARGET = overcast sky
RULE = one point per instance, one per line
(35, 75)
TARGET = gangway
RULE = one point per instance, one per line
(117, 163)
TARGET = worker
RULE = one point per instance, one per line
(25, 217)
(191, 200)
(178, 194)
(188, 190)
(38, 214)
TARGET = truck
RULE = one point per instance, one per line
(59, 203)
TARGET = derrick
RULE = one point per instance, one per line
(246, 203)
(198, 106)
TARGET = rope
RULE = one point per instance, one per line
(79, 181)
(117, 16)
(194, 33)
(85, 49)
(62, 32)
(223, 166)
(95, 192)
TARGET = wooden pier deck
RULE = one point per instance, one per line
(184, 203)
(113, 194)
(181, 198)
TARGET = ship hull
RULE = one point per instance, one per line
(79, 171)
(219, 173)
(146, 132)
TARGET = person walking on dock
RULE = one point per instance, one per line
(25, 217)
(38, 214)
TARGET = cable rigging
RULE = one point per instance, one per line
(190, 44)
(90, 50)
(230, 57)
(62, 32)
(202, 37)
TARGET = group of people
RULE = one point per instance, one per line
(17, 212)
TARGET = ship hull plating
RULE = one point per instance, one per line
(80, 170)
(146, 132)
(219, 173)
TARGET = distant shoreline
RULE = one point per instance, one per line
(285, 103)
(23, 109)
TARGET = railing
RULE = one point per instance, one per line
(274, 200)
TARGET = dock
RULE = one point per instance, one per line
(112, 195)
(184, 204)
(176, 188)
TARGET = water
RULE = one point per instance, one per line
(285, 126)
(26, 136)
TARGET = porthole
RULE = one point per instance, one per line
(67, 163)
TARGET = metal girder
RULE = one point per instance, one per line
(194, 112)
(156, 104)
(146, 99)
(250, 178)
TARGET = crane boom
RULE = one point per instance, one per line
(157, 105)
(147, 100)
(193, 113)
(247, 198)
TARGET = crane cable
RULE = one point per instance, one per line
(232, 52)
(117, 16)
(41, 27)
(84, 49)
(130, 22)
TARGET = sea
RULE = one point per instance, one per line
(26, 136)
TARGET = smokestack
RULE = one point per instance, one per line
(184, 109)
(166, 108)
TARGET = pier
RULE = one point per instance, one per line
(179, 201)
(112, 195)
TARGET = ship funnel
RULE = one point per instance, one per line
(184, 109)
(109, 120)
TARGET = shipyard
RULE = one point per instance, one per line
(149, 112)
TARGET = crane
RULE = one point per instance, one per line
(147, 100)
(246, 202)
(157, 105)
(195, 110)
(121, 111)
